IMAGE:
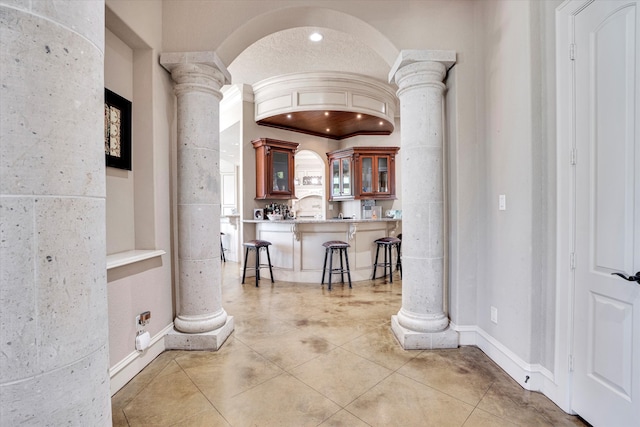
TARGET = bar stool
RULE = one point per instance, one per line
(330, 247)
(257, 245)
(387, 244)
(222, 249)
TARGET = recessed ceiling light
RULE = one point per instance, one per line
(359, 116)
(315, 37)
(381, 123)
(326, 113)
(328, 130)
(288, 116)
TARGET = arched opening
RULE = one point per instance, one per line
(310, 185)
(276, 43)
(273, 22)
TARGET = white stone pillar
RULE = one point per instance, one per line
(53, 284)
(422, 322)
(201, 322)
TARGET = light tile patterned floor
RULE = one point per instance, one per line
(303, 356)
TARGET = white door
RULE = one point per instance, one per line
(606, 347)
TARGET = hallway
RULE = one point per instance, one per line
(303, 356)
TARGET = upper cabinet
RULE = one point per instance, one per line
(275, 168)
(363, 173)
(340, 179)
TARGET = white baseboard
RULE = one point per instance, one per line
(123, 371)
(533, 377)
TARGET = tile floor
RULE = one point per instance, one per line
(303, 356)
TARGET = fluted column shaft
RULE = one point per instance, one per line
(198, 79)
(422, 321)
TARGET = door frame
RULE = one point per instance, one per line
(566, 199)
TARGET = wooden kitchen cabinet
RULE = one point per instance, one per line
(275, 169)
(371, 173)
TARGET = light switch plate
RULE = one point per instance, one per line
(502, 202)
(494, 315)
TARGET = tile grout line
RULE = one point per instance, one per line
(202, 393)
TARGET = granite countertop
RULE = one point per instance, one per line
(319, 221)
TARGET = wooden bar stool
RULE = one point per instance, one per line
(257, 245)
(341, 247)
(387, 244)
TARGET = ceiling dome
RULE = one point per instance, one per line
(334, 105)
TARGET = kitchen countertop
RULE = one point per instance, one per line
(319, 221)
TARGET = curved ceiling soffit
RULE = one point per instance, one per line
(278, 20)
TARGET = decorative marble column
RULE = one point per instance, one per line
(422, 322)
(54, 356)
(201, 322)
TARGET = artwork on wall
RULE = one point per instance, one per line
(117, 130)
(258, 214)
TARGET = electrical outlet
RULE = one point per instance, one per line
(143, 318)
(494, 315)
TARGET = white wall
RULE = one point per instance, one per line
(118, 77)
(506, 262)
(145, 285)
(516, 263)
(546, 171)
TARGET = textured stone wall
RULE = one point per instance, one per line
(53, 302)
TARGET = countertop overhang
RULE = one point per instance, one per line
(318, 221)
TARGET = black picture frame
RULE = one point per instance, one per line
(117, 130)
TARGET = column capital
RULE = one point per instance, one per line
(411, 56)
(199, 68)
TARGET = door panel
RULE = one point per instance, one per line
(606, 348)
(612, 74)
(611, 355)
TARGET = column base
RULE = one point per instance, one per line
(412, 340)
(213, 340)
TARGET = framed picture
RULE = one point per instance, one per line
(258, 214)
(117, 130)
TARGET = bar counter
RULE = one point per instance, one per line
(297, 253)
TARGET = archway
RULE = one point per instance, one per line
(272, 22)
(310, 185)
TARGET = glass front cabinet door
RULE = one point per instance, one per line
(274, 168)
(373, 173)
(375, 177)
(341, 180)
